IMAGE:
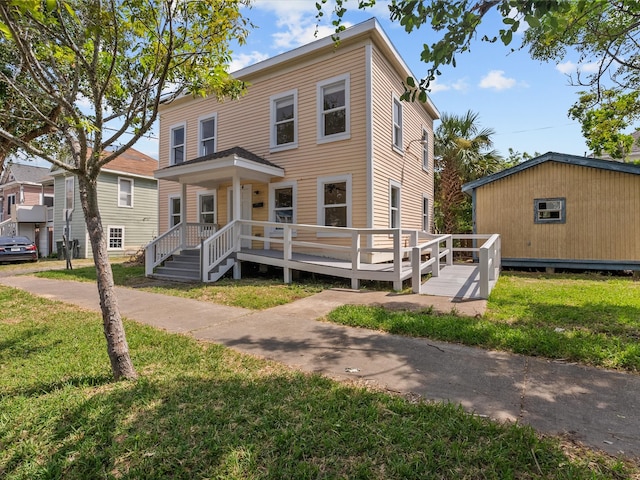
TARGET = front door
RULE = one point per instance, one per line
(245, 211)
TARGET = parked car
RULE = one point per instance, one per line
(17, 249)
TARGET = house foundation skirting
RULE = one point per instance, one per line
(568, 263)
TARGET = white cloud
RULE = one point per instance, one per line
(245, 59)
(495, 79)
(460, 85)
(569, 67)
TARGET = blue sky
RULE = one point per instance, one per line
(523, 100)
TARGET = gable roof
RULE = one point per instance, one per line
(554, 157)
(129, 162)
(234, 151)
(21, 173)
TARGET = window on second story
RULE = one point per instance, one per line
(177, 145)
(333, 109)
(11, 200)
(125, 192)
(208, 135)
(425, 150)
(397, 124)
(284, 127)
(68, 193)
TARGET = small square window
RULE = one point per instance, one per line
(549, 210)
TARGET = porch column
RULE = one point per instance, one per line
(183, 215)
(237, 197)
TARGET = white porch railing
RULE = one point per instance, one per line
(180, 237)
(421, 264)
(8, 228)
(217, 248)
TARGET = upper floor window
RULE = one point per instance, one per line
(208, 135)
(549, 210)
(68, 193)
(333, 109)
(177, 144)
(284, 131)
(425, 149)
(125, 192)
(397, 123)
(11, 200)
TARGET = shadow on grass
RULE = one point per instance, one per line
(274, 426)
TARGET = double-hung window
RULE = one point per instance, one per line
(116, 238)
(549, 210)
(125, 192)
(207, 139)
(284, 127)
(333, 109)
(334, 201)
(425, 150)
(174, 211)
(11, 200)
(177, 144)
(394, 204)
(397, 124)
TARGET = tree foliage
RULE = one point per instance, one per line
(604, 34)
(93, 73)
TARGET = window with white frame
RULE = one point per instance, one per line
(68, 192)
(397, 123)
(208, 135)
(425, 213)
(394, 204)
(177, 144)
(125, 192)
(549, 210)
(207, 207)
(116, 238)
(11, 200)
(282, 198)
(425, 150)
(333, 109)
(334, 201)
(284, 127)
(175, 205)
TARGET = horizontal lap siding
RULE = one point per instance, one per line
(602, 213)
(389, 164)
(245, 122)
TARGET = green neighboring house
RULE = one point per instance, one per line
(128, 200)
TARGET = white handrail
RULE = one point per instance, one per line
(161, 248)
(218, 247)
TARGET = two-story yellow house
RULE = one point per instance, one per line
(320, 141)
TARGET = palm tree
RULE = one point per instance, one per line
(463, 152)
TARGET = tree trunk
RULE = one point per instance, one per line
(117, 346)
(450, 196)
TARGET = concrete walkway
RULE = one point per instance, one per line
(593, 406)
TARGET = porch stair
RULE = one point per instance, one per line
(185, 267)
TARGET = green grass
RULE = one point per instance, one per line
(590, 319)
(202, 411)
(252, 293)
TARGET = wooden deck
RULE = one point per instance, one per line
(454, 281)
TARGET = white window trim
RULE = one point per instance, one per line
(171, 144)
(214, 193)
(395, 185)
(320, 109)
(274, 147)
(426, 215)
(425, 149)
(109, 247)
(170, 208)
(397, 145)
(201, 119)
(320, 202)
(274, 231)
(131, 181)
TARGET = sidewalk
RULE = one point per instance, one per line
(597, 407)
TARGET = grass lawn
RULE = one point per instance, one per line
(253, 293)
(592, 319)
(202, 411)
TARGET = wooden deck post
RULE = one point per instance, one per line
(484, 272)
(397, 260)
(449, 247)
(355, 259)
(435, 267)
(416, 275)
(287, 252)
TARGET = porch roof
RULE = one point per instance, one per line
(221, 166)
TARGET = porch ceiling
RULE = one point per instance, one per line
(221, 167)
